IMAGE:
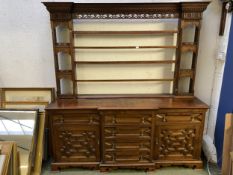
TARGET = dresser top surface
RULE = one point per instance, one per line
(128, 103)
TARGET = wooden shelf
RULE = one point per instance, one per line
(125, 47)
(150, 32)
(125, 80)
(127, 62)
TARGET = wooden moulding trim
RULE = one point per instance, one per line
(124, 32)
(125, 80)
(68, 10)
(125, 47)
(126, 62)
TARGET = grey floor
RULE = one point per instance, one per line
(162, 171)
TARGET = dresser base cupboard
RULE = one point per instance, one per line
(140, 133)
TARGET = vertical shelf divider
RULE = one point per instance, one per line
(178, 57)
(72, 54)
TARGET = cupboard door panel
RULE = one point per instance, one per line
(178, 134)
(76, 143)
(177, 142)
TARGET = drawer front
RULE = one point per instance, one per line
(131, 151)
(127, 117)
(130, 132)
(128, 156)
(179, 116)
(79, 118)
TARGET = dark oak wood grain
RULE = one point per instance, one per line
(126, 132)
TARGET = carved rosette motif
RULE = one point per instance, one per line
(81, 143)
(179, 141)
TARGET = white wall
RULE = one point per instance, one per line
(207, 51)
(26, 58)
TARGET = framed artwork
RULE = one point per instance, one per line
(31, 98)
(26, 98)
(22, 127)
(9, 162)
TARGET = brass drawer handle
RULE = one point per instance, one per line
(161, 116)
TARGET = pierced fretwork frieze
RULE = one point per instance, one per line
(125, 16)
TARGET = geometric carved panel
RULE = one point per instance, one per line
(76, 143)
(81, 143)
(177, 142)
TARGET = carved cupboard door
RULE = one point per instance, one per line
(178, 136)
(75, 138)
(76, 143)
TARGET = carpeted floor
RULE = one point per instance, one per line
(162, 171)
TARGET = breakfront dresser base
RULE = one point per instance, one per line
(136, 133)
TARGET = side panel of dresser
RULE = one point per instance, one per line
(75, 138)
(178, 137)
